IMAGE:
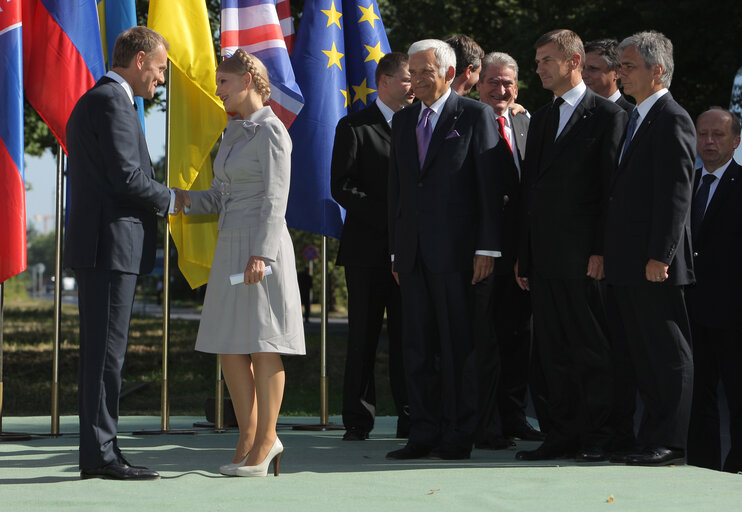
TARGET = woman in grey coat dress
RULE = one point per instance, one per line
(250, 324)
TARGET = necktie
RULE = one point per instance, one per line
(503, 133)
(424, 132)
(552, 120)
(630, 128)
(698, 209)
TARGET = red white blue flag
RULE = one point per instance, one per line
(62, 57)
(12, 191)
(264, 28)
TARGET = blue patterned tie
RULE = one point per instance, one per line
(699, 204)
(630, 131)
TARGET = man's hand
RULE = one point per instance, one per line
(517, 108)
(182, 198)
(595, 267)
(656, 271)
(255, 270)
(521, 281)
(483, 267)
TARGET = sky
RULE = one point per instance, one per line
(41, 173)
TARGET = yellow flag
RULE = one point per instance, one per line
(197, 119)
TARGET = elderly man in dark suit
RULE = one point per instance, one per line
(572, 145)
(114, 201)
(648, 247)
(600, 72)
(444, 236)
(715, 301)
(504, 376)
(360, 163)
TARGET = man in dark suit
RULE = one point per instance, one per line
(360, 164)
(715, 301)
(601, 71)
(572, 144)
(504, 376)
(648, 249)
(444, 237)
(111, 232)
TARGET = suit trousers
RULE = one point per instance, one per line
(717, 354)
(105, 300)
(371, 291)
(570, 325)
(658, 342)
(438, 352)
(489, 365)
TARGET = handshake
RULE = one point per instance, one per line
(182, 198)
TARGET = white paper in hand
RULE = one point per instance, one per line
(240, 278)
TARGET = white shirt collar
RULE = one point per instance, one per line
(614, 97)
(645, 106)
(129, 91)
(718, 172)
(437, 106)
(385, 111)
(574, 95)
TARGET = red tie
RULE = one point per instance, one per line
(501, 130)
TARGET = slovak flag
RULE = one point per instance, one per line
(264, 28)
(12, 191)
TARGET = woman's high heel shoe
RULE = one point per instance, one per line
(274, 455)
(229, 469)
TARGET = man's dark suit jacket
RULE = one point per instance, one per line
(114, 197)
(625, 104)
(360, 168)
(510, 185)
(649, 199)
(449, 208)
(564, 189)
(716, 298)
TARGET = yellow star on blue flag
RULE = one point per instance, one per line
(338, 45)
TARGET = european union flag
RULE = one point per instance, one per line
(338, 45)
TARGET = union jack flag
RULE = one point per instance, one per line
(264, 28)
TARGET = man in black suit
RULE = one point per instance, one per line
(715, 301)
(506, 306)
(572, 144)
(360, 164)
(648, 251)
(114, 200)
(601, 71)
(444, 237)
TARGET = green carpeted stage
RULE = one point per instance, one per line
(320, 472)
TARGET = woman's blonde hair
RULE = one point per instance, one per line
(242, 62)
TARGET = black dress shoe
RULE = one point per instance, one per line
(495, 443)
(116, 471)
(620, 456)
(657, 456)
(591, 454)
(355, 434)
(410, 451)
(524, 432)
(546, 452)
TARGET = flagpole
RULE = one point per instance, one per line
(164, 396)
(57, 292)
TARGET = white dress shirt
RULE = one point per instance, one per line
(385, 111)
(571, 99)
(614, 97)
(645, 106)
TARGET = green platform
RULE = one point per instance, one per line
(320, 472)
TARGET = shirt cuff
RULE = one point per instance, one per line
(171, 209)
(392, 258)
(493, 254)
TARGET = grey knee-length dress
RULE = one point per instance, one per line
(250, 192)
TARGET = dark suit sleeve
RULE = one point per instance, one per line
(117, 135)
(672, 181)
(608, 158)
(393, 196)
(484, 142)
(346, 184)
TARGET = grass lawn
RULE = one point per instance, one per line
(29, 332)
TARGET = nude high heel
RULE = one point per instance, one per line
(229, 469)
(274, 455)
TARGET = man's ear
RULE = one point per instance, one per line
(450, 74)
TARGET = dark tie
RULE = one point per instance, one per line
(135, 106)
(630, 128)
(699, 204)
(424, 132)
(552, 120)
(503, 133)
